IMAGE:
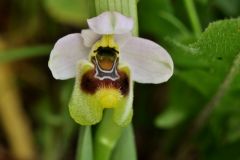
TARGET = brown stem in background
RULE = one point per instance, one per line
(13, 118)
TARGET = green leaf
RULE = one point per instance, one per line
(74, 12)
(209, 66)
(125, 148)
(218, 46)
(84, 150)
(25, 52)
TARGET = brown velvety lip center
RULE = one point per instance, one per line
(90, 84)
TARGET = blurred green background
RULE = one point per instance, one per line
(194, 116)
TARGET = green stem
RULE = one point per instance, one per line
(106, 137)
(193, 17)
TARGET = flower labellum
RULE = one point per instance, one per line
(105, 60)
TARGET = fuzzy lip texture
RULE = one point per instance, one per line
(148, 61)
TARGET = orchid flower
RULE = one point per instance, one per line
(105, 60)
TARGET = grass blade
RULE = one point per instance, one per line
(84, 150)
(23, 53)
(125, 149)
